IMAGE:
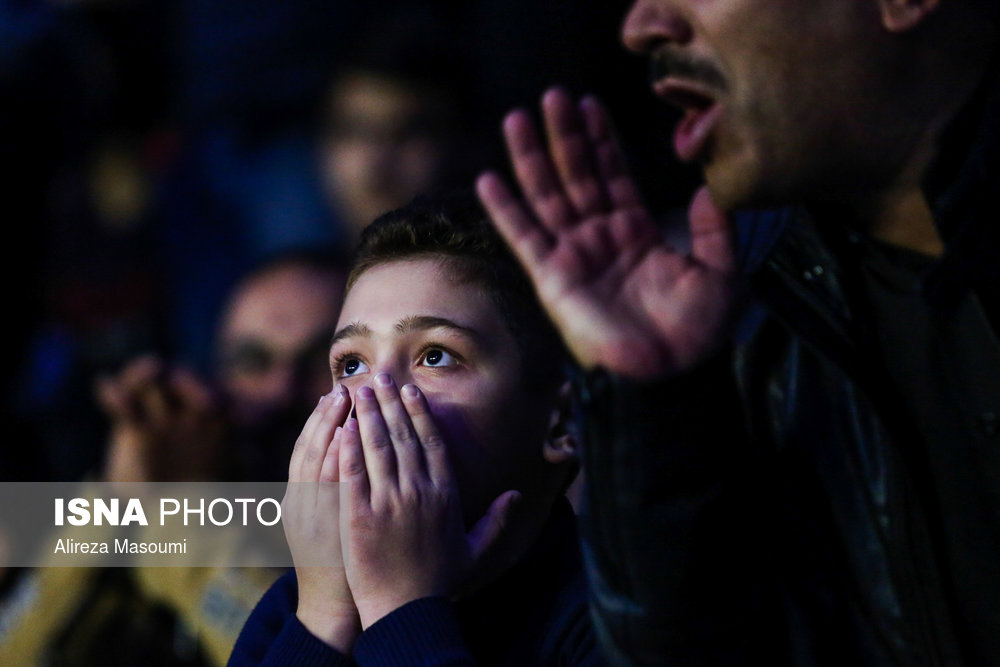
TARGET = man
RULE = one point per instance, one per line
(449, 540)
(792, 430)
(270, 361)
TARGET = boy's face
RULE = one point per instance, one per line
(417, 321)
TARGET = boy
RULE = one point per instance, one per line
(454, 375)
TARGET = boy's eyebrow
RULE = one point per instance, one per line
(405, 325)
(425, 322)
(352, 330)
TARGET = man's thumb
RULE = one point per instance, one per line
(712, 240)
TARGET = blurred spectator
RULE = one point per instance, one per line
(401, 117)
(271, 366)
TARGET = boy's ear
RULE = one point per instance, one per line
(562, 440)
(903, 15)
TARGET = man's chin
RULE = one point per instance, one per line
(727, 189)
(733, 188)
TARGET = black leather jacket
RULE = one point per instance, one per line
(763, 506)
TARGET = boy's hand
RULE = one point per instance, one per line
(621, 297)
(166, 424)
(400, 512)
(310, 514)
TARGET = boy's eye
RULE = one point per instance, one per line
(437, 358)
(353, 366)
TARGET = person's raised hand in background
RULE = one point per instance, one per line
(167, 425)
(621, 296)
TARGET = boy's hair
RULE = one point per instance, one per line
(454, 227)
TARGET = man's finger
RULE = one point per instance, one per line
(154, 403)
(190, 392)
(112, 398)
(612, 167)
(529, 241)
(141, 371)
(712, 241)
(572, 153)
(535, 172)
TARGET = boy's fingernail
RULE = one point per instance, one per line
(338, 395)
(383, 380)
(365, 393)
(352, 425)
(410, 391)
(336, 432)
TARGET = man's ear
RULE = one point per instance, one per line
(901, 15)
(562, 439)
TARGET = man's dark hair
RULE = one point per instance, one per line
(454, 227)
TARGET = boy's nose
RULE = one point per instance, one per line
(387, 376)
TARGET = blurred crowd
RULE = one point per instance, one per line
(161, 151)
(175, 171)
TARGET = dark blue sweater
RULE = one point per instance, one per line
(535, 614)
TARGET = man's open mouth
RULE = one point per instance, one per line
(701, 113)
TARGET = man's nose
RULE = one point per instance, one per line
(279, 384)
(650, 23)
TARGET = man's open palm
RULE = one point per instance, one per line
(621, 296)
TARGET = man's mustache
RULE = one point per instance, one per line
(670, 63)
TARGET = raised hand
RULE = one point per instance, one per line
(166, 424)
(621, 297)
(310, 514)
(401, 518)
